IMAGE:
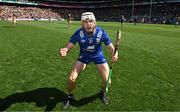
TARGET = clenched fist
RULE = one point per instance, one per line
(63, 52)
(114, 58)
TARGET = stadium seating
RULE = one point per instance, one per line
(162, 11)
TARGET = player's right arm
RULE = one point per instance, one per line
(63, 51)
(74, 38)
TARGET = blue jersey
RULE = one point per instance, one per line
(90, 45)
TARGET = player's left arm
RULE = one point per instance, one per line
(114, 55)
(107, 41)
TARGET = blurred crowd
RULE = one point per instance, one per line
(6, 12)
(161, 14)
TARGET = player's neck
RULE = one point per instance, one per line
(91, 33)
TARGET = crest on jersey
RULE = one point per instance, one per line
(90, 40)
(97, 40)
(81, 34)
(99, 35)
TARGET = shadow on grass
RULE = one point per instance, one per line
(48, 97)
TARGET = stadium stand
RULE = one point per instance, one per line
(34, 13)
(163, 11)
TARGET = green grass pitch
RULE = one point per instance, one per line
(33, 76)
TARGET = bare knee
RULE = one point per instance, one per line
(103, 71)
(73, 76)
(77, 68)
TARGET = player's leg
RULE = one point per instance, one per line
(121, 24)
(76, 69)
(14, 23)
(69, 24)
(103, 70)
(176, 24)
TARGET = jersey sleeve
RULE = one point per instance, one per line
(106, 39)
(74, 38)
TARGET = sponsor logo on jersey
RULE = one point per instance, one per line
(81, 34)
(91, 48)
(99, 35)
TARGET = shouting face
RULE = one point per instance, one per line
(89, 25)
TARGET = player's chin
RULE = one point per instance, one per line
(89, 30)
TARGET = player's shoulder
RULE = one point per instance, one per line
(79, 32)
(100, 30)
